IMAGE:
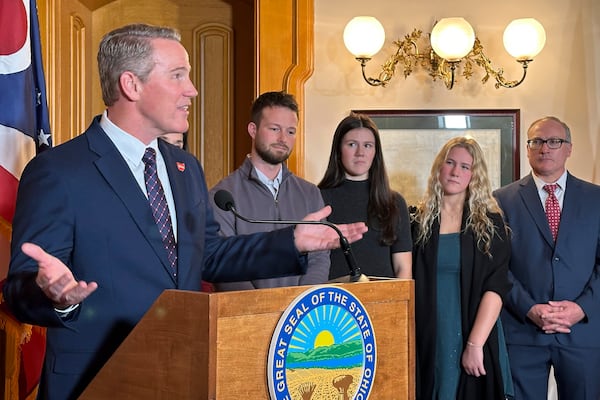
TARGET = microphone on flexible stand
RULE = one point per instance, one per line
(224, 200)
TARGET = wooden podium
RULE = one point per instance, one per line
(193, 345)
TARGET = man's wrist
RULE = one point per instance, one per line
(65, 311)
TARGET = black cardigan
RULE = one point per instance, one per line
(478, 274)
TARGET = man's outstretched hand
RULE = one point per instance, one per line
(321, 237)
(56, 280)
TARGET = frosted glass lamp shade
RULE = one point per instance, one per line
(452, 38)
(524, 38)
(364, 36)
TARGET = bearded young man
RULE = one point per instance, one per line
(264, 188)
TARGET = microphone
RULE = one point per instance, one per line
(224, 200)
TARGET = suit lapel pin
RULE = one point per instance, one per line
(180, 166)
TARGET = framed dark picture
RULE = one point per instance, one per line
(412, 138)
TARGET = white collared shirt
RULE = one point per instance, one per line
(132, 151)
(273, 185)
(560, 190)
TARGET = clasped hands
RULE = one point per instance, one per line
(553, 317)
(556, 316)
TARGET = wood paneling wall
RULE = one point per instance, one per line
(234, 58)
(285, 56)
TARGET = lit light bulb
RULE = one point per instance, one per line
(452, 38)
(524, 38)
(364, 36)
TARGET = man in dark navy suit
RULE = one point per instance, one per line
(552, 314)
(88, 255)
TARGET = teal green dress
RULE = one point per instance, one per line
(449, 332)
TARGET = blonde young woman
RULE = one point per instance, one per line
(460, 266)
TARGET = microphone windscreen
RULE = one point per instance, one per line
(224, 200)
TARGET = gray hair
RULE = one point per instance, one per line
(555, 119)
(128, 48)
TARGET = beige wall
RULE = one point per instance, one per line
(564, 80)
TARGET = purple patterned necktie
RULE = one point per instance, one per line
(159, 206)
(552, 209)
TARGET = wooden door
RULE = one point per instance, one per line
(238, 49)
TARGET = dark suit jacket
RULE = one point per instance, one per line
(541, 271)
(81, 203)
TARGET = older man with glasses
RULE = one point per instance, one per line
(552, 313)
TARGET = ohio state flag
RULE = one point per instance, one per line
(24, 131)
(24, 123)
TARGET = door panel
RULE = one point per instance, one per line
(238, 49)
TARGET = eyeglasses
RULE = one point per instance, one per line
(552, 143)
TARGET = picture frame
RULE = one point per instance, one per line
(412, 138)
